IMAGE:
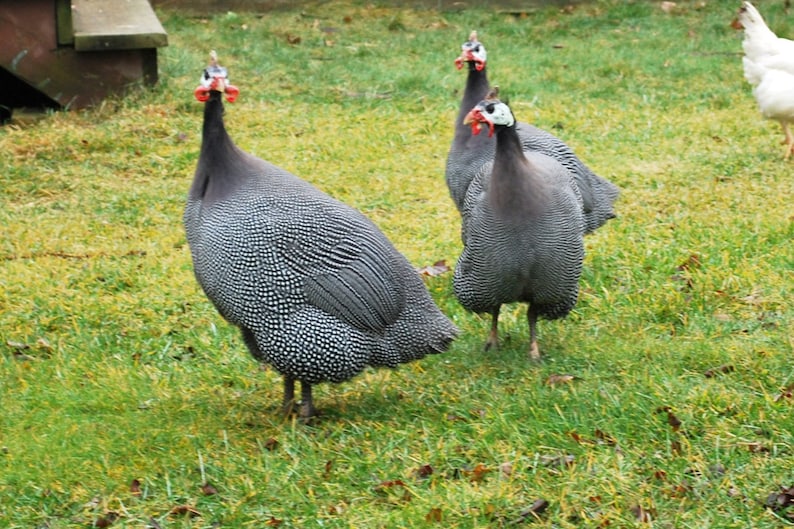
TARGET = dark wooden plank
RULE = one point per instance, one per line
(116, 25)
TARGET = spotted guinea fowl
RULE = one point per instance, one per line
(522, 229)
(315, 287)
(469, 153)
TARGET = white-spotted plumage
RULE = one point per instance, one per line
(316, 288)
(523, 229)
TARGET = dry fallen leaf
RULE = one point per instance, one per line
(208, 490)
(435, 269)
(553, 380)
(786, 393)
(478, 473)
(668, 7)
(424, 471)
(642, 515)
(185, 510)
(781, 500)
(560, 461)
(672, 420)
(714, 371)
(434, 515)
(135, 487)
(107, 520)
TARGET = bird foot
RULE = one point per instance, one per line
(491, 343)
(305, 411)
(534, 351)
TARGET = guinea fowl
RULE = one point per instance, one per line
(522, 232)
(315, 287)
(769, 66)
(469, 153)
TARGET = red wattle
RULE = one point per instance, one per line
(476, 128)
(201, 93)
(231, 93)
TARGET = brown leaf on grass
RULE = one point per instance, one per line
(579, 439)
(506, 469)
(434, 515)
(424, 471)
(692, 262)
(672, 420)
(554, 380)
(208, 490)
(478, 473)
(181, 510)
(271, 444)
(714, 371)
(605, 438)
(756, 447)
(642, 515)
(389, 484)
(106, 520)
(786, 393)
(780, 500)
(392, 488)
(135, 487)
(534, 511)
(274, 522)
(293, 39)
(435, 269)
(329, 465)
(560, 461)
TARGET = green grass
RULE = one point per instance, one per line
(128, 373)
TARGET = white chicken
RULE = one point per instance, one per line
(768, 66)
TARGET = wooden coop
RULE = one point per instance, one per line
(74, 53)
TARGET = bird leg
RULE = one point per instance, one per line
(534, 351)
(493, 337)
(289, 395)
(306, 409)
(789, 141)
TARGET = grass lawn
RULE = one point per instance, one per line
(664, 400)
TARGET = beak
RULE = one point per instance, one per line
(465, 56)
(476, 119)
(472, 116)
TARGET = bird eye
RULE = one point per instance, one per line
(489, 108)
(476, 49)
(206, 74)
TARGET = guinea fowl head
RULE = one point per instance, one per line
(748, 17)
(472, 52)
(215, 79)
(490, 111)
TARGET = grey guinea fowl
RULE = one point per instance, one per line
(315, 287)
(522, 230)
(469, 153)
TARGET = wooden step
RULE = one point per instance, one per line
(100, 25)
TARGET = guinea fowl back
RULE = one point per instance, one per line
(315, 287)
(469, 153)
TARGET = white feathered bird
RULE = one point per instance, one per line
(768, 66)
